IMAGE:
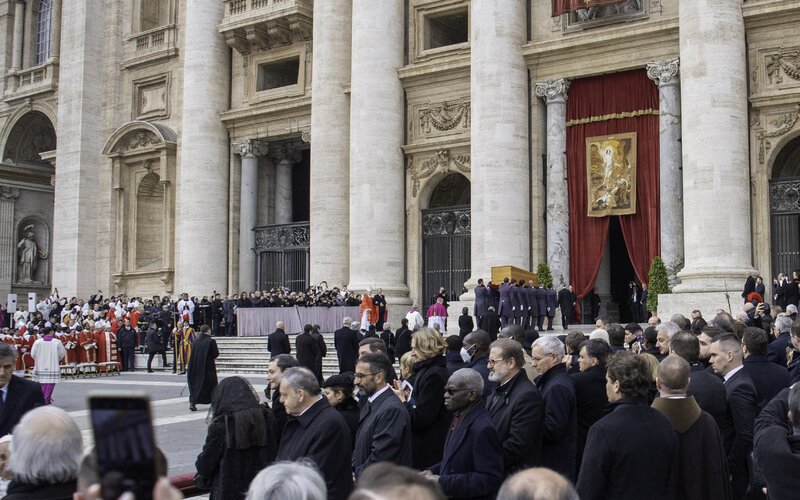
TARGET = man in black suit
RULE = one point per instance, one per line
(591, 401)
(782, 329)
(278, 341)
(707, 388)
(629, 452)
(490, 323)
(275, 369)
(402, 339)
(346, 343)
(316, 431)
(566, 302)
(776, 452)
(768, 378)
(384, 429)
(516, 407)
(307, 349)
(481, 301)
(727, 361)
(17, 395)
(552, 303)
(379, 300)
(472, 462)
(560, 417)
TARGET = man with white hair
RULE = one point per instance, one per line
(664, 333)
(346, 342)
(601, 334)
(560, 436)
(45, 454)
(791, 310)
(288, 480)
(782, 329)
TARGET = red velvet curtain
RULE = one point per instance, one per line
(596, 97)
(566, 6)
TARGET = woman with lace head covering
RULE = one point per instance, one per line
(239, 443)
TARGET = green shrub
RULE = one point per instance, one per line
(657, 283)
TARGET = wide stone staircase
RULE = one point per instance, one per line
(249, 355)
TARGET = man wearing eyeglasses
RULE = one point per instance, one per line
(516, 407)
(472, 464)
(384, 428)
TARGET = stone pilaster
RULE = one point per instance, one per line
(80, 145)
(716, 177)
(202, 203)
(499, 138)
(330, 179)
(554, 93)
(249, 151)
(19, 28)
(377, 166)
(8, 247)
(55, 34)
(665, 74)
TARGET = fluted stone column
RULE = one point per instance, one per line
(248, 209)
(284, 157)
(55, 34)
(499, 138)
(80, 145)
(202, 242)
(554, 93)
(665, 74)
(377, 166)
(716, 178)
(8, 247)
(330, 179)
(19, 28)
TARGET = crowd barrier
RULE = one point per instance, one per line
(260, 321)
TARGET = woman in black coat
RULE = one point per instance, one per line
(338, 390)
(239, 442)
(429, 418)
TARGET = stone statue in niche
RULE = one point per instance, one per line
(29, 254)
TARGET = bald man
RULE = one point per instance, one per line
(537, 484)
(701, 466)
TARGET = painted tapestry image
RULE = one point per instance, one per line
(611, 174)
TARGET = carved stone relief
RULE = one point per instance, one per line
(784, 63)
(442, 161)
(445, 116)
(777, 127)
(151, 97)
(141, 139)
(607, 14)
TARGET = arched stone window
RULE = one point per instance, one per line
(143, 176)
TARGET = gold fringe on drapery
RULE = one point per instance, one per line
(613, 116)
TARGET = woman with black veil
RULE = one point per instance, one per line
(239, 443)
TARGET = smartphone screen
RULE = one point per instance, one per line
(124, 443)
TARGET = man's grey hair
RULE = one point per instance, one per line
(347, 321)
(299, 378)
(550, 345)
(783, 323)
(355, 325)
(472, 380)
(387, 326)
(537, 484)
(600, 334)
(47, 447)
(6, 351)
(671, 328)
(288, 480)
(791, 309)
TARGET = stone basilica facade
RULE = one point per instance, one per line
(163, 146)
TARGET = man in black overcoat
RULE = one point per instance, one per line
(201, 372)
(541, 304)
(278, 341)
(346, 343)
(21, 395)
(307, 349)
(768, 378)
(726, 359)
(566, 302)
(516, 407)
(589, 383)
(481, 301)
(384, 429)
(505, 310)
(402, 339)
(552, 303)
(315, 431)
(630, 452)
(776, 450)
(490, 323)
(533, 306)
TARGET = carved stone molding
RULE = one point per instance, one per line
(443, 161)
(8, 193)
(238, 42)
(305, 136)
(776, 128)
(447, 222)
(142, 139)
(301, 27)
(281, 237)
(445, 116)
(663, 72)
(251, 148)
(552, 90)
(783, 63)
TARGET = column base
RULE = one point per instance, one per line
(712, 280)
(706, 302)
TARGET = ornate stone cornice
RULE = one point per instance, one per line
(552, 90)
(8, 193)
(305, 136)
(251, 148)
(442, 161)
(664, 72)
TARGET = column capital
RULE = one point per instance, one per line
(251, 148)
(664, 72)
(285, 152)
(552, 90)
(8, 193)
